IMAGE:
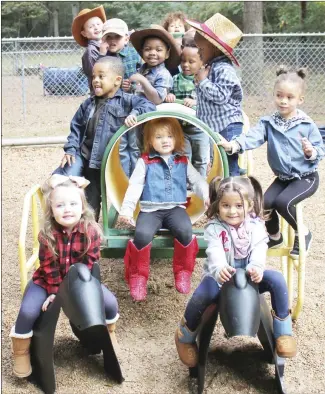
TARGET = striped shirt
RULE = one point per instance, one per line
(219, 96)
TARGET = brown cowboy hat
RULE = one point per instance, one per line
(221, 32)
(81, 19)
(137, 38)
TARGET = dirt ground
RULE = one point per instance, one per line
(146, 330)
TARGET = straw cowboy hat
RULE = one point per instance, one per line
(137, 38)
(221, 32)
(81, 19)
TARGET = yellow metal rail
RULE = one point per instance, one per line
(30, 204)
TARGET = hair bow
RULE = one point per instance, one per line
(57, 179)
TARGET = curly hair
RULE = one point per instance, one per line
(171, 125)
(172, 16)
(49, 223)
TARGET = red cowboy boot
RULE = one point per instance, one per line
(183, 264)
(137, 270)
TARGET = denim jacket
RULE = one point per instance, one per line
(284, 151)
(110, 120)
(164, 183)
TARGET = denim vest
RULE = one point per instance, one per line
(164, 183)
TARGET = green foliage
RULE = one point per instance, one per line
(36, 18)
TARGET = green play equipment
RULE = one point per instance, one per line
(114, 184)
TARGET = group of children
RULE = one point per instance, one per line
(122, 87)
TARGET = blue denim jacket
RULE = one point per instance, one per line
(110, 120)
(165, 183)
(284, 150)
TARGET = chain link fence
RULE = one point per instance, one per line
(42, 77)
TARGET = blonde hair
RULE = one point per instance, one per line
(249, 189)
(49, 223)
(298, 76)
(170, 125)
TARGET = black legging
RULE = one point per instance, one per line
(282, 196)
(175, 219)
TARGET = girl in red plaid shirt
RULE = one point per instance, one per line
(70, 235)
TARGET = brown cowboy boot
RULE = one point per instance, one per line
(285, 343)
(186, 345)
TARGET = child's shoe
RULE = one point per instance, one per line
(111, 331)
(294, 253)
(183, 264)
(285, 343)
(275, 243)
(186, 346)
(21, 354)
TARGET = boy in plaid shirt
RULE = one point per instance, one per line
(196, 141)
(219, 92)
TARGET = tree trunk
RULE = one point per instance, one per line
(56, 22)
(254, 61)
(75, 9)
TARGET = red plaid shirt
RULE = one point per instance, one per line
(70, 248)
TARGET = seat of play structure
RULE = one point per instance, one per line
(114, 184)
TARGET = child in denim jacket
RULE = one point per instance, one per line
(219, 92)
(196, 141)
(96, 121)
(159, 182)
(294, 150)
(87, 31)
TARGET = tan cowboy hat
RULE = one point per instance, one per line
(81, 19)
(221, 32)
(137, 38)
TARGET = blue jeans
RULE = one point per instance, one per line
(129, 151)
(231, 131)
(34, 297)
(196, 148)
(81, 168)
(208, 290)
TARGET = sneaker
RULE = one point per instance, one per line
(275, 243)
(242, 171)
(295, 250)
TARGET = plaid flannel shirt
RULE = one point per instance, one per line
(131, 60)
(219, 96)
(70, 248)
(183, 87)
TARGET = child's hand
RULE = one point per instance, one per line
(128, 220)
(47, 302)
(68, 159)
(256, 275)
(103, 48)
(201, 74)
(307, 147)
(126, 85)
(138, 78)
(131, 120)
(170, 98)
(188, 102)
(227, 145)
(225, 274)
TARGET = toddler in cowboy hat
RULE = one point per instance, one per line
(219, 92)
(87, 31)
(160, 53)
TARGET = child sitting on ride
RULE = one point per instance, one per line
(160, 53)
(196, 141)
(116, 38)
(159, 181)
(218, 89)
(96, 121)
(87, 32)
(294, 150)
(70, 235)
(236, 238)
